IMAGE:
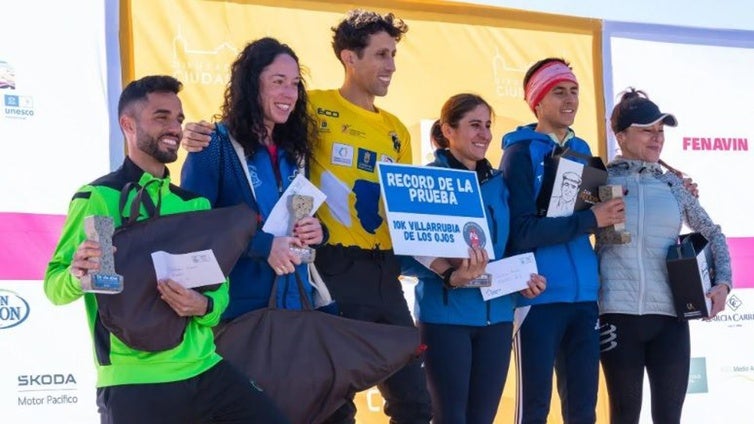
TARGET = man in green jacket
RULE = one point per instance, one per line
(189, 382)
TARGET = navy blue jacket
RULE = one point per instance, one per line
(438, 305)
(561, 245)
(217, 174)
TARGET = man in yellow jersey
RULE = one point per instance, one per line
(357, 263)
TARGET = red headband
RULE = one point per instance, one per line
(544, 79)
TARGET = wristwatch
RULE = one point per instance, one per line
(446, 278)
(210, 305)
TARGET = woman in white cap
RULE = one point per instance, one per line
(640, 328)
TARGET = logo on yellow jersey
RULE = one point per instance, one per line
(367, 160)
(342, 154)
(327, 112)
(396, 141)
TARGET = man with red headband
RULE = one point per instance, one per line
(561, 327)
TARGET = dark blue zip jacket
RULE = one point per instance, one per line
(217, 174)
(438, 305)
(561, 245)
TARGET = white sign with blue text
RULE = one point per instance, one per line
(433, 211)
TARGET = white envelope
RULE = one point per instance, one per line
(190, 270)
(509, 275)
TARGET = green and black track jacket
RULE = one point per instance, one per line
(116, 362)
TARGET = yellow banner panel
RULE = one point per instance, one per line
(446, 51)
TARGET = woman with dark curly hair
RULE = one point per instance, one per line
(260, 143)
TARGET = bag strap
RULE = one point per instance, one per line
(222, 130)
(315, 279)
(570, 152)
(139, 199)
(680, 174)
(305, 303)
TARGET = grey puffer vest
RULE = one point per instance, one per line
(634, 276)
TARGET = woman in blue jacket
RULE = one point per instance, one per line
(468, 339)
(258, 147)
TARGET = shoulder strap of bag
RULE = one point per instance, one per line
(139, 199)
(306, 305)
(315, 279)
(680, 174)
(224, 133)
(570, 152)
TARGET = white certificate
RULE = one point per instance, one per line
(509, 275)
(278, 223)
(190, 270)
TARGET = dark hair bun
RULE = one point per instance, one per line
(438, 137)
(632, 93)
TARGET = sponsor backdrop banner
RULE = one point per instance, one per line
(55, 82)
(450, 48)
(702, 77)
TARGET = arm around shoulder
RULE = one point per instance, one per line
(699, 220)
(201, 171)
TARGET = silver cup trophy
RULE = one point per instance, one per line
(105, 279)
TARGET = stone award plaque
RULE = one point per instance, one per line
(105, 279)
(616, 233)
(300, 206)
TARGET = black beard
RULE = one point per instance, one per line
(150, 146)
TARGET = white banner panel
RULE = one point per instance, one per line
(703, 78)
(722, 365)
(708, 89)
(59, 64)
(47, 372)
(54, 120)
